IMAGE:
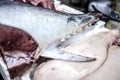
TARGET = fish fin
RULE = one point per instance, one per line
(53, 51)
(66, 56)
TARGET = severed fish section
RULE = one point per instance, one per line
(95, 46)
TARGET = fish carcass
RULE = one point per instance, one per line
(44, 25)
(95, 45)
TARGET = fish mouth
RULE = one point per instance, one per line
(88, 26)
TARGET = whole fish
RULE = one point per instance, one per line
(44, 25)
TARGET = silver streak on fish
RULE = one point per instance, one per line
(2, 73)
(44, 25)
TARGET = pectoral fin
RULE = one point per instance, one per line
(66, 56)
(54, 52)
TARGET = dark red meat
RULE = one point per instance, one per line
(43, 3)
(17, 49)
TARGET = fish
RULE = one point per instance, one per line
(44, 25)
(38, 21)
(95, 45)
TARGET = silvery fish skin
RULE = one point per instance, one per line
(2, 73)
(43, 25)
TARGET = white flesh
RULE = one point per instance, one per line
(111, 68)
(94, 46)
